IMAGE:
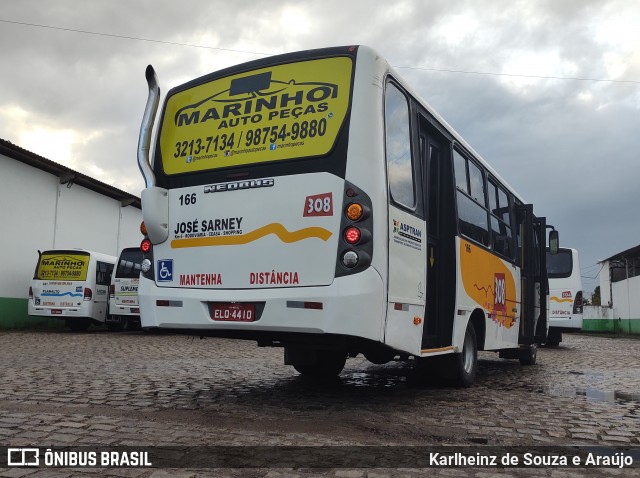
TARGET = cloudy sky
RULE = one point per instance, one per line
(548, 91)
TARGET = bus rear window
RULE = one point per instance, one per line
(129, 264)
(282, 112)
(59, 265)
(559, 265)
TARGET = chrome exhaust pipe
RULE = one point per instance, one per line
(144, 140)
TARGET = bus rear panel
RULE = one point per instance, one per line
(259, 241)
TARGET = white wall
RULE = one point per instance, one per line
(37, 212)
(129, 234)
(626, 298)
(86, 220)
(591, 312)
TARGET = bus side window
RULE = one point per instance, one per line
(398, 147)
(501, 232)
(103, 273)
(515, 203)
(472, 212)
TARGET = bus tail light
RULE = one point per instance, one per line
(354, 211)
(352, 235)
(356, 245)
(145, 265)
(88, 294)
(350, 259)
(112, 291)
(577, 303)
(145, 245)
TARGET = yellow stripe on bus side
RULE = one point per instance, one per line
(555, 299)
(275, 228)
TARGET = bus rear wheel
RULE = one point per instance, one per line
(316, 363)
(553, 338)
(529, 355)
(461, 367)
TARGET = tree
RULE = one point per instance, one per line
(595, 297)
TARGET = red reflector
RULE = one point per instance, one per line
(168, 303)
(145, 245)
(352, 235)
(313, 305)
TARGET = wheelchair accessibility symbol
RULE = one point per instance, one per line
(165, 270)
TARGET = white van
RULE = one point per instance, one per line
(72, 285)
(124, 311)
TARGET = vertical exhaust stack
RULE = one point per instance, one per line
(155, 201)
(144, 140)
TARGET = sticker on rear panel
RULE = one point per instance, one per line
(318, 205)
(165, 270)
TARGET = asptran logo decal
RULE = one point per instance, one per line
(165, 270)
(239, 185)
(250, 98)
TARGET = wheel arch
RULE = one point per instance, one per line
(479, 324)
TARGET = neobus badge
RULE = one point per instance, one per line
(238, 185)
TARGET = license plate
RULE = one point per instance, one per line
(56, 311)
(135, 310)
(233, 311)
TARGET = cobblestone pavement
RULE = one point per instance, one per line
(133, 389)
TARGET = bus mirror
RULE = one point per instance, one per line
(554, 242)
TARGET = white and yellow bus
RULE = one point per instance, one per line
(565, 294)
(313, 201)
(72, 285)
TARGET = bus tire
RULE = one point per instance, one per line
(78, 324)
(554, 338)
(461, 368)
(316, 363)
(529, 355)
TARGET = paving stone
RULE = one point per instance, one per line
(137, 389)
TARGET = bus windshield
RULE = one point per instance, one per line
(129, 264)
(560, 265)
(287, 111)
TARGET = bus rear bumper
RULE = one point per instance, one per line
(351, 305)
(569, 323)
(54, 313)
(128, 310)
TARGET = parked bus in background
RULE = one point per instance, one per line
(124, 310)
(565, 294)
(312, 201)
(71, 285)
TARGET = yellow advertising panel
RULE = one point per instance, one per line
(63, 267)
(281, 112)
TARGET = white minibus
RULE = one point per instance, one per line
(71, 285)
(124, 311)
